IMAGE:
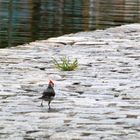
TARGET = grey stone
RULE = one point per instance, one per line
(100, 100)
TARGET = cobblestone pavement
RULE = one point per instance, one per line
(98, 101)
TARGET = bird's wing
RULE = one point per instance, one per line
(49, 92)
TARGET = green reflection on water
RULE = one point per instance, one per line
(26, 21)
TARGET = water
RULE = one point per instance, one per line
(26, 21)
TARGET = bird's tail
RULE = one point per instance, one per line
(40, 98)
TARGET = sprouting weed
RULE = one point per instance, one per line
(66, 64)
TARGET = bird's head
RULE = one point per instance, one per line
(51, 83)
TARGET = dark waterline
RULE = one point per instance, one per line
(29, 20)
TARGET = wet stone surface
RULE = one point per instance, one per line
(100, 100)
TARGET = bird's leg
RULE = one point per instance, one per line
(49, 104)
(42, 103)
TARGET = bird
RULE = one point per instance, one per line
(48, 94)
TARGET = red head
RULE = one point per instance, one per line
(51, 83)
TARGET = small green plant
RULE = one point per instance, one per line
(65, 64)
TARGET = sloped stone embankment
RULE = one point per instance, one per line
(100, 100)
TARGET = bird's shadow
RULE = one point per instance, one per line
(51, 110)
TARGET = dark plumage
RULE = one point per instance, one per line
(48, 94)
